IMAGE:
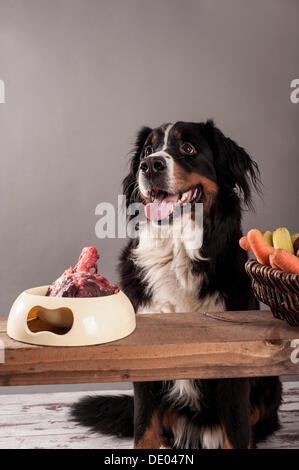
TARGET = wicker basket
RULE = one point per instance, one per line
(278, 289)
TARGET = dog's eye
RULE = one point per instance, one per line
(148, 150)
(187, 148)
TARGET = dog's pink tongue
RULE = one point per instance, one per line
(161, 208)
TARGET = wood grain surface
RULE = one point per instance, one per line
(163, 346)
(41, 421)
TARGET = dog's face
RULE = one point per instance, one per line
(176, 168)
(184, 163)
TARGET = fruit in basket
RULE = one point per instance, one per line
(296, 246)
(282, 239)
(244, 243)
(259, 247)
(294, 237)
(285, 261)
(278, 258)
(268, 237)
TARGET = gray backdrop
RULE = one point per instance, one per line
(82, 76)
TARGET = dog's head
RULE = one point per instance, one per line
(185, 162)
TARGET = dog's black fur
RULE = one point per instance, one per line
(245, 409)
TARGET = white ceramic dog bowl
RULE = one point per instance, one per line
(64, 321)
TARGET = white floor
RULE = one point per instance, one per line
(36, 421)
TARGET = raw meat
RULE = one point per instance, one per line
(83, 280)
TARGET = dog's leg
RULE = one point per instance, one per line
(236, 430)
(147, 422)
(235, 414)
(148, 437)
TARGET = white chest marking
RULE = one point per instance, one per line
(184, 393)
(189, 436)
(166, 262)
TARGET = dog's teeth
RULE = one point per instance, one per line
(184, 196)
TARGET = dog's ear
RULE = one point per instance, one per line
(130, 188)
(234, 167)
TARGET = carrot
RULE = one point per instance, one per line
(273, 262)
(244, 243)
(259, 247)
(285, 261)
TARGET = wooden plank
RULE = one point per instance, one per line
(163, 346)
(42, 421)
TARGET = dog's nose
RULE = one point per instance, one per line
(153, 165)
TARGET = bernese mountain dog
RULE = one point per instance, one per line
(173, 165)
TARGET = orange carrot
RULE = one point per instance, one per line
(273, 262)
(244, 243)
(285, 261)
(259, 247)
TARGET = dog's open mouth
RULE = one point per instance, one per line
(163, 204)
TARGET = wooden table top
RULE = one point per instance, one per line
(163, 347)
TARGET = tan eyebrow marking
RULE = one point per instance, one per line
(177, 134)
(154, 138)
